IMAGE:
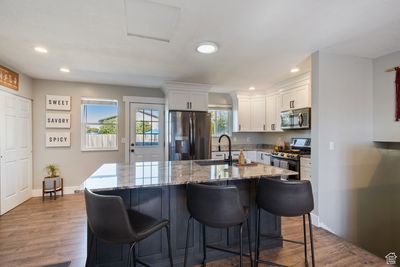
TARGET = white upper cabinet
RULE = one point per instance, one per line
(187, 96)
(257, 109)
(244, 114)
(296, 98)
(273, 110)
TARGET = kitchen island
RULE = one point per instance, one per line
(159, 190)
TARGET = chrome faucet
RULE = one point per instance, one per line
(229, 160)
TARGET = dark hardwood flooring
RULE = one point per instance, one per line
(38, 233)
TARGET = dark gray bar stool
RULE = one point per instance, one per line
(287, 199)
(218, 207)
(111, 222)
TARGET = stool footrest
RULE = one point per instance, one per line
(142, 263)
(227, 250)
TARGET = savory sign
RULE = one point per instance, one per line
(9, 78)
(58, 120)
(58, 139)
(58, 102)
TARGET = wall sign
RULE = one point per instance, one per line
(58, 139)
(9, 78)
(58, 102)
(58, 120)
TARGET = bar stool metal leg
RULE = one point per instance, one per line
(204, 245)
(305, 240)
(241, 245)
(311, 240)
(257, 237)
(134, 256)
(187, 241)
(169, 245)
(249, 240)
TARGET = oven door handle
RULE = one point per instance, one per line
(301, 119)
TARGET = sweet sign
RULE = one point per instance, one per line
(58, 120)
(58, 102)
(58, 139)
(9, 78)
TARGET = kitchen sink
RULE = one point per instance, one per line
(211, 162)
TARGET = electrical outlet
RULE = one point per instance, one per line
(331, 145)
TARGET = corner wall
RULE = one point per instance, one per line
(355, 198)
(74, 164)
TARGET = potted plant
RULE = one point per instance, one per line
(52, 182)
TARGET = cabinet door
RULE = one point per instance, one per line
(266, 159)
(252, 155)
(244, 114)
(178, 100)
(198, 101)
(301, 98)
(258, 114)
(278, 109)
(271, 113)
(287, 100)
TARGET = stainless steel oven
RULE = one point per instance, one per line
(296, 119)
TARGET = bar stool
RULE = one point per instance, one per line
(288, 199)
(218, 207)
(111, 222)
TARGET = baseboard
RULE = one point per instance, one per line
(68, 190)
(315, 220)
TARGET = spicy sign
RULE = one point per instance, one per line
(9, 78)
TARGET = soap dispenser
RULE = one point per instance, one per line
(242, 160)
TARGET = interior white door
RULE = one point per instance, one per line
(15, 150)
(147, 132)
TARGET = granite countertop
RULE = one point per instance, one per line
(114, 176)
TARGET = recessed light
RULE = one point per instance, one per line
(40, 49)
(66, 70)
(294, 70)
(252, 88)
(207, 48)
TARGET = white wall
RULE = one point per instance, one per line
(355, 197)
(75, 165)
(385, 126)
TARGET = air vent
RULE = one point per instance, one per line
(151, 20)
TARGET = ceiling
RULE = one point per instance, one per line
(259, 40)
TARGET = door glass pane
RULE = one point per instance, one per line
(147, 127)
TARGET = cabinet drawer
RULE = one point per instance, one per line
(305, 162)
(218, 155)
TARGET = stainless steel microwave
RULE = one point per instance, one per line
(296, 119)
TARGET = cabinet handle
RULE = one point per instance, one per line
(240, 127)
(187, 105)
(262, 156)
(293, 103)
(190, 105)
(264, 127)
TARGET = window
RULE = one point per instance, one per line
(221, 121)
(99, 124)
(147, 127)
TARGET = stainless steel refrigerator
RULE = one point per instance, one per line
(189, 135)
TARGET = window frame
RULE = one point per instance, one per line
(230, 117)
(84, 123)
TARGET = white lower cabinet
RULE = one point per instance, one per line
(15, 151)
(305, 168)
(251, 155)
(263, 157)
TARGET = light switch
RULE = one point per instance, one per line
(331, 145)
(123, 140)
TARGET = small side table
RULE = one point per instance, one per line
(52, 186)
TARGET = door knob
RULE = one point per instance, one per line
(133, 144)
(132, 150)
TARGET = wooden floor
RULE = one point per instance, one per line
(39, 233)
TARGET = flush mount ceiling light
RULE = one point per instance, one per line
(40, 49)
(207, 48)
(65, 70)
(252, 88)
(294, 70)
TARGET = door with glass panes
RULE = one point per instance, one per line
(147, 132)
